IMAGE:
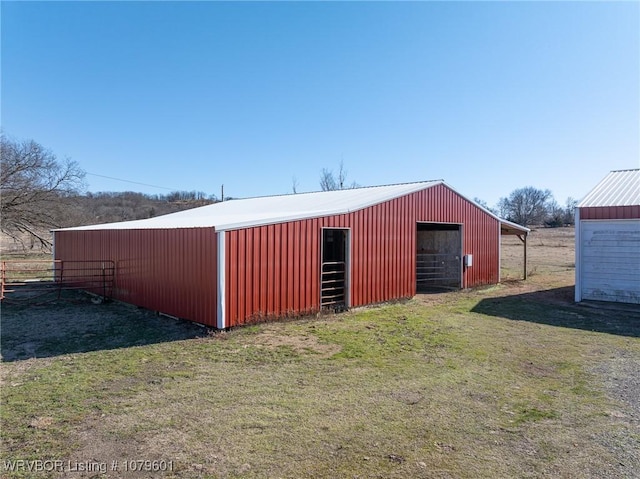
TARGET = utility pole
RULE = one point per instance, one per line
(222, 193)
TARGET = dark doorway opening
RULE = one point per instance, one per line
(333, 281)
(438, 257)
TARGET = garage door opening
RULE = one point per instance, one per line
(438, 257)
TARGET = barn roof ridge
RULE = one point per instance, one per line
(262, 210)
(359, 187)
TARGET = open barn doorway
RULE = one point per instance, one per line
(334, 282)
(438, 257)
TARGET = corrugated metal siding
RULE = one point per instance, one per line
(610, 213)
(274, 270)
(168, 270)
(480, 231)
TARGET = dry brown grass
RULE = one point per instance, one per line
(550, 251)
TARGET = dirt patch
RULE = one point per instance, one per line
(272, 337)
(537, 370)
(117, 456)
(41, 422)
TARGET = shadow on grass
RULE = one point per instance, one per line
(555, 307)
(74, 324)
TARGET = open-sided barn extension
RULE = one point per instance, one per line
(608, 240)
(248, 260)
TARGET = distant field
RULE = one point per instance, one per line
(512, 380)
(551, 251)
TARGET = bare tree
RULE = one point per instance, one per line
(561, 215)
(554, 214)
(526, 206)
(342, 176)
(327, 180)
(570, 210)
(485, 205)
(35, 189)
(330, 182)
(109, 207)
(189, 197)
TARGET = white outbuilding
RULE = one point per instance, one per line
(608, 240)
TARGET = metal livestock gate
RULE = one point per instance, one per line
(35, 280)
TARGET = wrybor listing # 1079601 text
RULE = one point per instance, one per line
(50, 465)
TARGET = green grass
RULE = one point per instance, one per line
(404, 390)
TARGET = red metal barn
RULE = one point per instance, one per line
(257, 259)
(608, 240)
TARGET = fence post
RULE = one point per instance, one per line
(3, 278)
(61, 281)
(104, 284)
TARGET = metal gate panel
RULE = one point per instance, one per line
(333, 285)
(438, 270)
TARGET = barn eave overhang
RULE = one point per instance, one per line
(508, 228)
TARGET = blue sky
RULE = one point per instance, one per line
(488, 96)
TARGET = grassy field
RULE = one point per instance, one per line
(512, 380)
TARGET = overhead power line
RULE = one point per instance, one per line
(134, 182)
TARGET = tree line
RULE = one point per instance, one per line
(108, 207)
(531, 206)
(40, 192)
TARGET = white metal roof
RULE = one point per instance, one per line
(618, 188)
(244, 213)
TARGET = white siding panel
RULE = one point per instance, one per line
(610, 256)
